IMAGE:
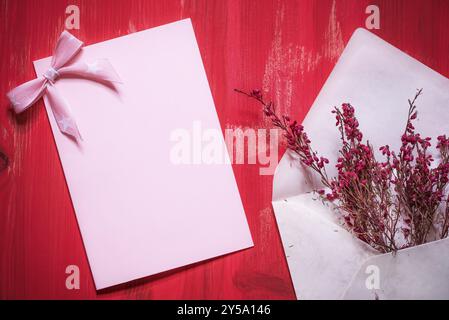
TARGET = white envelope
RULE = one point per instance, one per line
(325, 260)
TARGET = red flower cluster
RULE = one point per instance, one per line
(419, 187)
(390, 205)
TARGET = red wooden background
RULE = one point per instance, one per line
(285, 47)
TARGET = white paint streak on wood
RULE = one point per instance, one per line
(333, 43)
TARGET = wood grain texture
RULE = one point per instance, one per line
(287, 48)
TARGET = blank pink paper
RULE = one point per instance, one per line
(140, 214)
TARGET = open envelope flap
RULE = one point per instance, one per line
(322, 256)
(377, 79)
(420, 272)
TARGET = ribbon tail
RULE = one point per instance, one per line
(66, 48)
(62, 114)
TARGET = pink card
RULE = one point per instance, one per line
(139, 212)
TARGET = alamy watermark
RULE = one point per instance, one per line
(200, 145)
(372, 281)
(373, 20)
(72, 282)
(72, 21)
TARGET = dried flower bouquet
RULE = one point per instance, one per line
(391, 204)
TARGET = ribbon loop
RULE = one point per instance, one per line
(67, 47)
(25, 95)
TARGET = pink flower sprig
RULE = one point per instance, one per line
(419, 187)
(443, 146)
(362, 186)
(296, 137)
(391, 204)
